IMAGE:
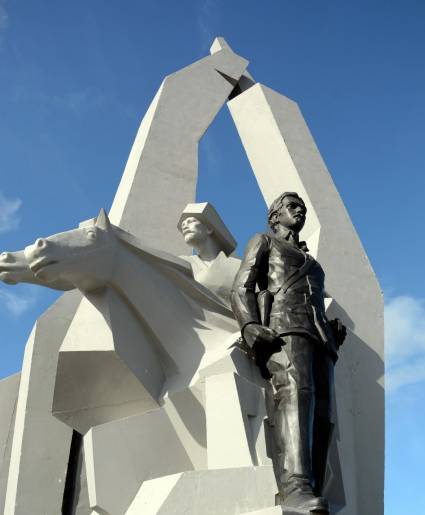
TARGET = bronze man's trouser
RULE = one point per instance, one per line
(302, 377)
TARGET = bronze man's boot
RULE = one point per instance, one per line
(298, 494)
(322, 436)
(293, 432)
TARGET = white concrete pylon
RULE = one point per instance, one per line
(105, 370)
(162, 168)
(246, 80)
(219, 43)
(158, 443)
(9, 389)
(240, 403)
(41, 444)
(284, 157)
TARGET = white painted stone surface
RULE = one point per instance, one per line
(40, 447)
(206, 213)
(210, 492)
(246, 80)
(9, 388)
(195, 429)
(276, 510)
(156, 185)
(235, 412)
(155, 444)
(81, 504)
(107, 368)
(217, 276)
(126, 347)
(212, 244)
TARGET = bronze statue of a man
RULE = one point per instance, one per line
(278, 300)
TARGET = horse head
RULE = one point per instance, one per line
(83, 257)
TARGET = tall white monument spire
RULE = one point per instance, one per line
(284, 157)
(162, 169)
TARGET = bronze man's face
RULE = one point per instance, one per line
(292, 214)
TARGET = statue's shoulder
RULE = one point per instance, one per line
(258, 248)
(260, 238)
(260, 242)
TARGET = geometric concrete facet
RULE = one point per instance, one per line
(235, 411)
(9, 388)
(161, 172)
(41, 444)
(106, 370)
(276, 510)
(218, 276)
(141, 332)
(208, 492)
(246, 80)
(141, 447)
(214, 424)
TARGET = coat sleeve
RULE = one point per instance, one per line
(243, 298)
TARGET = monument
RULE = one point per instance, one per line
(137, 393)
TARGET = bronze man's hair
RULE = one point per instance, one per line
(276, 206)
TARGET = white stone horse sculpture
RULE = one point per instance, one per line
(146, 328)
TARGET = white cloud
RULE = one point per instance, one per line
(77, 101)
(9, 219)
(4, 19)
(208, 16)
(211, 154)
(404, 341)
(17, 303)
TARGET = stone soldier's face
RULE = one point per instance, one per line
(194, 231)
(292, 214)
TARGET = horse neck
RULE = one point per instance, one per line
(181, 318)
(158, 288)
(144, 284)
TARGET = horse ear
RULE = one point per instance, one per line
(102, 220)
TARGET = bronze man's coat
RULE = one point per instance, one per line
(297, 308)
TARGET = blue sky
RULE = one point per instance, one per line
(76, 78)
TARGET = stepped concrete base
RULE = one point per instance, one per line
(210, 492)
(278, 510)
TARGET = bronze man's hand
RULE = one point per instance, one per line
(264, 342)
(339, 331)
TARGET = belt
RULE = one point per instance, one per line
(292, 297)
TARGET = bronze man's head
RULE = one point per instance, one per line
(289, 211)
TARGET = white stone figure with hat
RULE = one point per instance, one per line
(212, 264)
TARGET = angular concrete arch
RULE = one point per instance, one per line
(161, 172)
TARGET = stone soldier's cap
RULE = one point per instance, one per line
(205, 213)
